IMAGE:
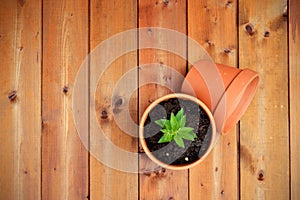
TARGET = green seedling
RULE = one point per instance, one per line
(174, 129)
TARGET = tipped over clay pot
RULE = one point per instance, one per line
(227, 91)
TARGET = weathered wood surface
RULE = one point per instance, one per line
(217, 177)
(20, 100)
(107, 19)
(264, 130)
(43, 44)
(294, 84)
(171, 15)
(65, 45)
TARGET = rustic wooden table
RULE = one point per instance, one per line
(44, 42)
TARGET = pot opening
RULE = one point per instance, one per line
(170, 153)
(241, 103)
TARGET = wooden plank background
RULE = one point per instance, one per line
(294, 95)
(172, 15)
(20, 104)
(44, 42)
(109, 18)
(210, 179)
(65, 45)
(264, 129)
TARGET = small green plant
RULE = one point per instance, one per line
(174, 129)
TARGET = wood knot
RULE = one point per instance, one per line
(65, 89)
(149, 31)
(166, 2)
(157, 170)
(267, 34)
(261, 175)
(228, 4)
(118, 102)
(227, 50)
(250, 29)
(147, 172)
(209, 42)
(104, 114)
(117, 105)
(21, 2)
(12, 96)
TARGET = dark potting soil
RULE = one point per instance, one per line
(171, 153)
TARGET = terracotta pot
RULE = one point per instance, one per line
(186, 97)
(227, 91)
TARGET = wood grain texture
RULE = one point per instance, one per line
(41, 155)
(65, 45)
(172, 15)
(264, 128)
(107, 19)
(294, 69)
(213, 25)
(20, 100)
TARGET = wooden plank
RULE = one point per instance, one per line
(65, 45)
(20, 105)
(264, 131)
(109, 182)
(172, 15)
(294, 83)
(213, 25)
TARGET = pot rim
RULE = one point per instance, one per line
(186, 97)
(244, 86)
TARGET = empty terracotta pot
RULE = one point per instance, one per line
(227, 91)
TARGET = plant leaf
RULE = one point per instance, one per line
(194, 134)
(161, 122)
(187, 133)
(179, 141)
(174, 123)
(179, 115)
(168, 124)
(188, 136)
(185, 130)
(165, 138)
(182, 121)
(165, 131)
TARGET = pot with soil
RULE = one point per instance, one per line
(177, 131)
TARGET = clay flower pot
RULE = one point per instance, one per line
(227, 91)
(147, 123)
